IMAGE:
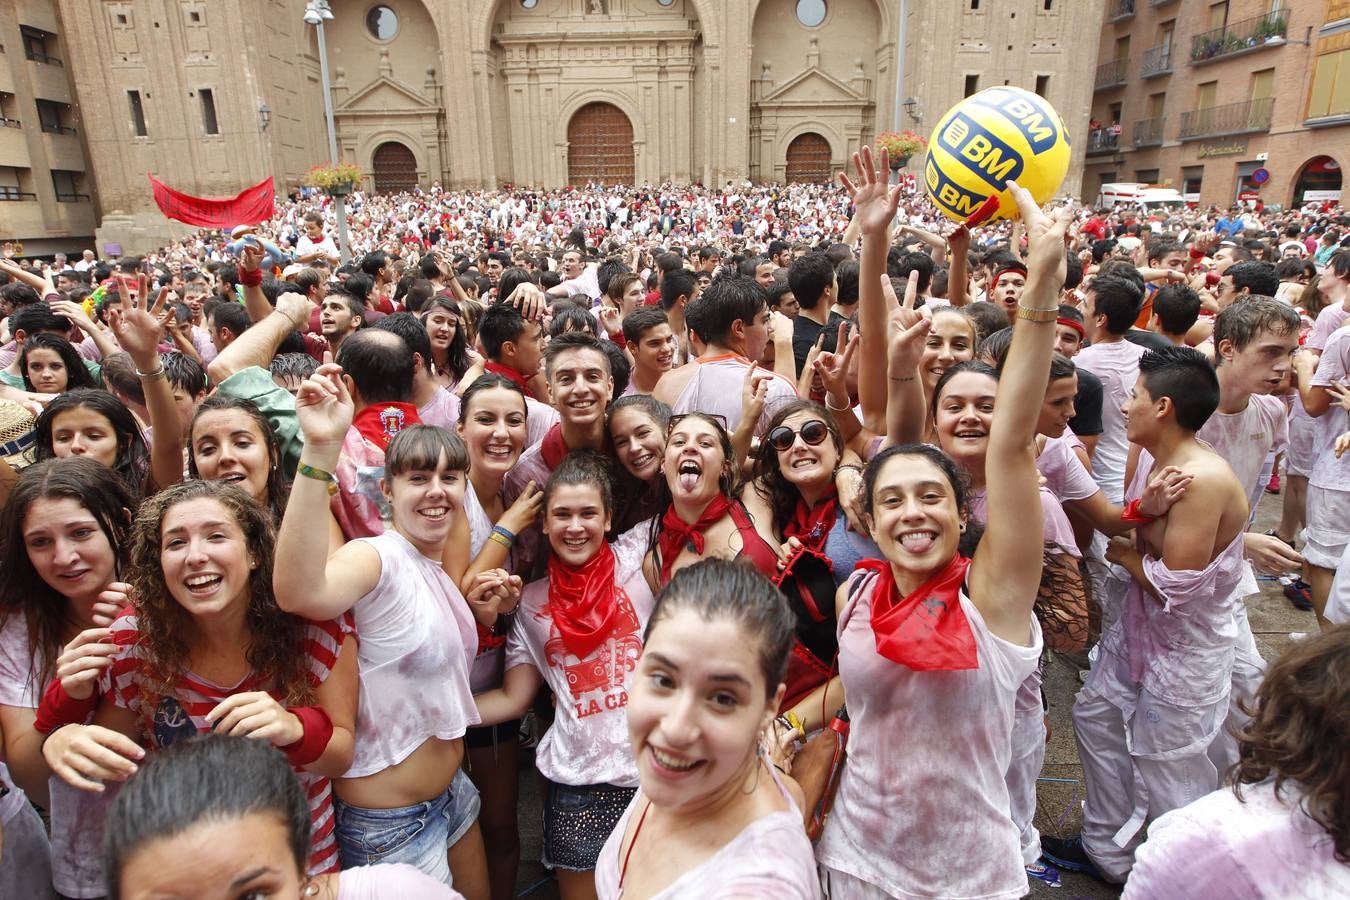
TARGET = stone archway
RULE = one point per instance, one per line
(394, 168)
(600, 146)
(808, 159)
(1320, 177)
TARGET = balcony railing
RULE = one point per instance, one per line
(1111, 74)
(10, 123)
(8, 192)
(1103, 140)
(56, 128)
(70, 198)
(1149, 132)
(1237, 37)
(1231, 118)
(35, 56)
(1157, 61)
(1160, 2)
(1116, 10)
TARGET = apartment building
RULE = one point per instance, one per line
(46, 194)
(1228, 101)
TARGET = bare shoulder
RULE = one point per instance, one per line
(672, 383)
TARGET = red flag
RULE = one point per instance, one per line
(249, 207)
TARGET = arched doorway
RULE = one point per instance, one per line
(808, 159)
(1320, 179)
(395, 168)
(599, 145)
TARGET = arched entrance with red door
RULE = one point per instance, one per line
(808, 159)
(1318, 180)
(394, 168)
(599, 146)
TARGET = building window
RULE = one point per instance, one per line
(382, 23)
(974, 7)
(8, 116)
(529, 4)
(209, 122)
(11, 187)
(67, 186)
(1042, 85)
(811, 12)
(1147, 176)
(37, 44)
(50, 117)
(1330, 85)
(1047, 5)
(195, 17)
(137, 113)
(972, 85)
(1191, 179)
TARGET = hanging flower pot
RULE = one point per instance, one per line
(901, 146)
(337, 180)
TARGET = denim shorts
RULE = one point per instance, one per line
(578, 819)
(419, 835)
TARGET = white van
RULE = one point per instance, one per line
(1147, 196)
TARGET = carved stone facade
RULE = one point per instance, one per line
(481, 93)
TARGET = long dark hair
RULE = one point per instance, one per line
(22, 591)
(768, 479)
(276, 638)
(211, 778)
(278, 486)
(960, 484)
(456, 355)
(77, 375)
(133, 456)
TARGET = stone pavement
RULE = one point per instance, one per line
(1060, 792)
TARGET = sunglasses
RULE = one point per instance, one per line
(813, 433)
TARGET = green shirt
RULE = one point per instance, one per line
(276, 404)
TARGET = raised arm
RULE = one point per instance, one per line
(255, 301)
(257, 345)
(1007, 568)
(958, 242)
(905, 410)
(874, 205)
(138, 332)
(308, 582)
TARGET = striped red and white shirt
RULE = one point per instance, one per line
(164, 720)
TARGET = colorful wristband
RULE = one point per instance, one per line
(309, 471)
(317, 732)
(250, 279)
(1132, 514)
(59, 708)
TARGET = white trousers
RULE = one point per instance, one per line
(1249, 670)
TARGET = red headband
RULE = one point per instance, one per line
(1074, 324)
(998, 273)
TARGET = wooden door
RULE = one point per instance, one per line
(808, 159)
(395, 168)
(599, 146)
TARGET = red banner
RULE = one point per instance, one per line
(249, 207)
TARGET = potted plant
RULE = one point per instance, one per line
(901, 146)
(338, 179)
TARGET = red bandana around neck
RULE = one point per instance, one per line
(379, 422)
(928, 630)
(510, 374)
(676, 532)
(582, 601)
(812, 524)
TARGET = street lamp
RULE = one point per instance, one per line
(264, 117)
(316, 13)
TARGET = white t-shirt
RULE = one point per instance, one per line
(1065, 475)
(1245, 438)
(1117, 366)
(1329, 472)
(305, 246)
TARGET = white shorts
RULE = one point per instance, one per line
(1328, 530)
(1299, 455)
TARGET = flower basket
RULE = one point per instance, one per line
(901, 146)
(337, 180)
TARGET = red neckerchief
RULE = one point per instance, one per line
(552, 449)
(812, 525)
(510, 374)
(926, 631)
(676, 532)
(581, 600)
(379, 422)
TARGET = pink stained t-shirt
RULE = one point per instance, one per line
(927, 755)
(770, 857)
(715, 388)
(1263, 847)
(392, 881)
(1065, 475)
(1328, 321)
(1117, 366)
(1244, 439)
(1328, 471)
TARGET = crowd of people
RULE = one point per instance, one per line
(674, 493)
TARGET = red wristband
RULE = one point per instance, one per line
(59, 708)
(618, 338)
(250, 279)
(318, 731)
(1132, 514)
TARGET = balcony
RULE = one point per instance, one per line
(1240, 37)
(1119, 10)
(10, 192)
(1231, 118)
(1149, 132)
(1160, 2)
(57, 128)
(1103, 140)
(1157, 61)
(1111, 74)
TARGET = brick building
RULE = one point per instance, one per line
(1201, 95)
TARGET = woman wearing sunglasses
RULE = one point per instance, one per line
(704, 516)
(794, 496)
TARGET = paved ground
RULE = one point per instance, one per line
(1061, 787)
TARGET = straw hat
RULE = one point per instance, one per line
(16, 434)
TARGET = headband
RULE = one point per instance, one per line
(1072, 323)
(998, 273)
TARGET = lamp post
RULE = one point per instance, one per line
(316, 13)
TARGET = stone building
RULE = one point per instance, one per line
(480, 93)
(1225, 101)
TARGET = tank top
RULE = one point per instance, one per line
(416, 640)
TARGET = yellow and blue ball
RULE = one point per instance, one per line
(993, 136)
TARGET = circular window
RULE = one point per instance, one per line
(529, 4)
(382, 23)
(665, 2)
(810, 12)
